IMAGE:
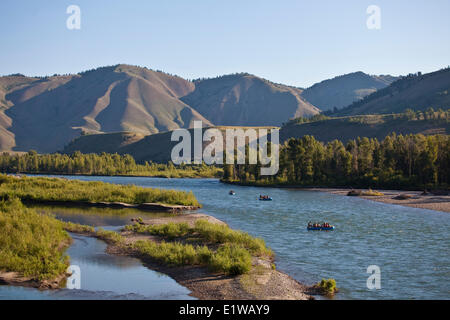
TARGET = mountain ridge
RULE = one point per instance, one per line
(46, 113)
(414, 91)
(341, 91)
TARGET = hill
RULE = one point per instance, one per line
(372, 126)
(155, 147)
(246, 100)
(415, 91)
(343, 90)
(46, 113)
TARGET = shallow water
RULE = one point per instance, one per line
(411, 246)
(105, 276)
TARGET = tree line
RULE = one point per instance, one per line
(398, 161)
(98, 164)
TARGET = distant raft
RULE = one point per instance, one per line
(265, 199)
(320, 228)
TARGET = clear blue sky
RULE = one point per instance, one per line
(292, 42)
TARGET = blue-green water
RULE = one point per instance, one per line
(411, 246)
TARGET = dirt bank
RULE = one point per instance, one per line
(15, 279)
(414, 199)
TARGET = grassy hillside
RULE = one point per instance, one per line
(156, 147)
(246, 100)
(343, 90)
(103, 142)
(371, 126)
(415, 91)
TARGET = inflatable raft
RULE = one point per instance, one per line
(320, 228)
(265, 199)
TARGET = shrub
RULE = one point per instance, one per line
(231, 259)
(31, 244)
(327, 286)
(173, 253)
(223, 234)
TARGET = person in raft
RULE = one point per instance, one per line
(263, 197)
(318, 225)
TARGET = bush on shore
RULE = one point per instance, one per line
(31, 244)
(327, 286)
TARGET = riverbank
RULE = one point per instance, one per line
(415, 199)
(17, 279)
(157, 207)
(54, 191)
(261, 282)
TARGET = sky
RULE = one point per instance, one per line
(293, 42)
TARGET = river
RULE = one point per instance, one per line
(409, 245)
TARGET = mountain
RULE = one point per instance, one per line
(246, 100)
(118, 107)
(372, 126)
(343, 90)
(415, 91)
(46, 113)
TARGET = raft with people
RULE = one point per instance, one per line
(265, 198)
(320, 226)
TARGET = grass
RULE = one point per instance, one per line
(173, 253)
(78, 228)
(233, 255)
(31, 244)
(39, 189)
(110, 237)
(327, 286)
(206, 232)
(230, 259)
